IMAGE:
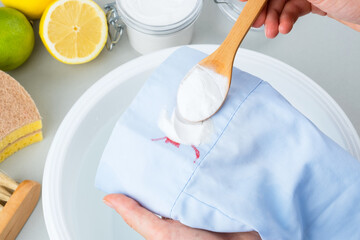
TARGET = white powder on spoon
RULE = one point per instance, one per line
(200, 94)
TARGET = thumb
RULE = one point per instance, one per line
(348, 10)
(140, 219)
(354, 26)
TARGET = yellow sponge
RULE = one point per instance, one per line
(20, 121)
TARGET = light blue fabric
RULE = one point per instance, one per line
(267, 168)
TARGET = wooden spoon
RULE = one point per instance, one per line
(221, 61)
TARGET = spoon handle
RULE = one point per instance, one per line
(227, 50)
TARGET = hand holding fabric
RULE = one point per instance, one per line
(152, 227)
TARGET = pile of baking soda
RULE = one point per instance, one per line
(199, 96)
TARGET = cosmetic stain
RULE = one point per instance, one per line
(177, 145)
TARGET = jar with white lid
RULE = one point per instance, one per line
(153, 24)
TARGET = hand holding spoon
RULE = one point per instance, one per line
(203, 91)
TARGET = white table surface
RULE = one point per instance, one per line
(323, 49)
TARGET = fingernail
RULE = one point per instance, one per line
(108, 203)
(266, 32)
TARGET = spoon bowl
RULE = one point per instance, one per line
(202, 93)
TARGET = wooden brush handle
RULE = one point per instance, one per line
(227, 50)
(18, 209)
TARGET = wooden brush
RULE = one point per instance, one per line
(17, 201)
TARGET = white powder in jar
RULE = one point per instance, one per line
(159, 12)
(201, 93)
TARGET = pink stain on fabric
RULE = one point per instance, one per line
(167, 140)
(176, 144)
(197, 152)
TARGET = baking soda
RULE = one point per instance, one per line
(201, 93)
(184, 132)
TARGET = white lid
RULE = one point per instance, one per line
(159, 16)
(158, 12)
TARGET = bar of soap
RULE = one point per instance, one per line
(20, 121)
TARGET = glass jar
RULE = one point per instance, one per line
(148, 36)
(232, 9)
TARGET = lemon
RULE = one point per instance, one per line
(16, 38)
(31, 8)
(74, 31)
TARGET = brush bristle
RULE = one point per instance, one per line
(7, 182)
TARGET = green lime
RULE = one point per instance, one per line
(16, 38)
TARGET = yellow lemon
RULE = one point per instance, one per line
(73, 31)
(31, 8)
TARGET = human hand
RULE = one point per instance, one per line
(152, 227)
(281, 15)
